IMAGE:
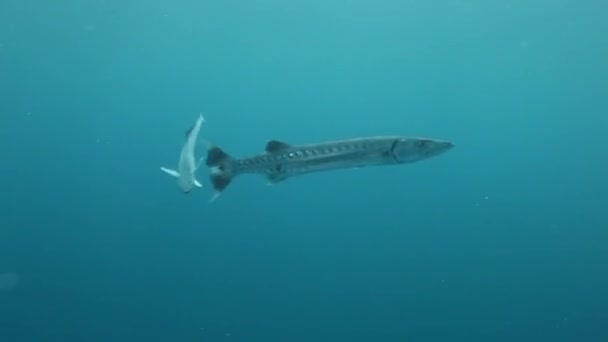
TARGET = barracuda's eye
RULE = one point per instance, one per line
(421, 143)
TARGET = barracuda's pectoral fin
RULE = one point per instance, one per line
(276, 146)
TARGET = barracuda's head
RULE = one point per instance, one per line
(407, 150)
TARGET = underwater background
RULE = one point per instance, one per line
(503, 238)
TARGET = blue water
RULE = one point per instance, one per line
(502, 238)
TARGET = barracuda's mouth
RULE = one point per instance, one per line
(437, 148)
(446, 146)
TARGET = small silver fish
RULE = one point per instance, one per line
(187, 164)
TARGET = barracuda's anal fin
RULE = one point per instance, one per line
(277, 177)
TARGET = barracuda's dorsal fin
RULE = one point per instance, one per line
(276, 146)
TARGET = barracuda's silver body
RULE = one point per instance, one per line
(281, 160)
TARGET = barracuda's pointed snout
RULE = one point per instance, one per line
(445, 145)
(413, 149)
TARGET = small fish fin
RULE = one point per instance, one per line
(170, 172)
(188, 131)
(276, 146)
(200, 160)
(197, 184)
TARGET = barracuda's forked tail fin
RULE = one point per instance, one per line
(221, 168)
(220, 179)
(216, 157)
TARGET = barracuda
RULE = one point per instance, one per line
(281, 160)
